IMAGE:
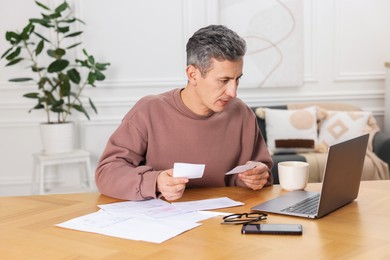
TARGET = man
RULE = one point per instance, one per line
(203, 123)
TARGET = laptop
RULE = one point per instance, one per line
(340, 185)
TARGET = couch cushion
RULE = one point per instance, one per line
(339, 126)
(261, 119)
(289, 124)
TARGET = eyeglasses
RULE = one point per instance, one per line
(243, 218)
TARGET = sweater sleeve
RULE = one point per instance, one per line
(120, 172)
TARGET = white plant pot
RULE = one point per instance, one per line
(57, 138)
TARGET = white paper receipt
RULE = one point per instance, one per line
(188, 170)
(242, 168)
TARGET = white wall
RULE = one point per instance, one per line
(345, 46)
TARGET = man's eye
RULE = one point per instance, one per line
(225, 81)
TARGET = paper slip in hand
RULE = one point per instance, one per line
(242, 168)
(188, 170)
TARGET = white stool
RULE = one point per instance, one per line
(41, 160)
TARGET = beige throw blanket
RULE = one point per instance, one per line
(374, 168)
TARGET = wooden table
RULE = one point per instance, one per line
(360, 230)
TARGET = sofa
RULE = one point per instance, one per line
(377, 161)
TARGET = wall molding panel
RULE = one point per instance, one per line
(144, 40)
(354, 67)
(359, 76)
(353, 98)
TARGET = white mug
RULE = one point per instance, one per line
(293, 175)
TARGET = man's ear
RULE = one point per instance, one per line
(192, 74)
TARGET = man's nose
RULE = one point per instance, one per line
(232, 89)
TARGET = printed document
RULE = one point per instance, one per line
(151, 220)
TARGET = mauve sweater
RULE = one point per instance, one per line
(160, 130)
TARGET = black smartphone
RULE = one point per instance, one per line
(278, 229)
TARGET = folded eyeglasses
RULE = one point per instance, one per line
(243, 218)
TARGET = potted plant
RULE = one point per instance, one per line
(45, 44)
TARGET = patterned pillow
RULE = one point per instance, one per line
(290, 124)
(339, 126)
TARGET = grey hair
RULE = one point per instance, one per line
(214, 41)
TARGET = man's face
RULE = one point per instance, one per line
(219, 86)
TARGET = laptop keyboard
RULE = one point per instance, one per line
(306, 206)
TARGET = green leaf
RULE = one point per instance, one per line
(81, 21)
(63, 29)
(62, 7)
(92, 105)
(14, 54)
(37, 20)
(31, 95)
(81, 109)
(39, 48)
(57, 66)
(99, 76)
(13, 37)
(51, 53)
(49, 98)
(83, 63)
(62, 77)
(25, 35)
(73, 34)
(42, 5)
(68, 20)
(65, 88)
(42, 82)
(58, 109)
(86, 114)
(46, 17)
(58, 103)
(14, 61)
(102, 66)
(36, 69)
(57, 106)
(44, 22)
(59, 53)
(54, 16)
(6, 53)
(78, 107)
(91, 59)
(91, 78)
(74, 76)
(27, 31)
(20, 79)
(40, 36)
(74, 45)
(38, 106)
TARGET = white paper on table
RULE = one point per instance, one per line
(150, 220)
(242, 168)
(207, 204)
(195, 216)
(93, 222)
(138, 228)
(189, 170)
(148, 229)
(156, 208)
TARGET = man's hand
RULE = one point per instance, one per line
(255, 178)
(171, 188)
